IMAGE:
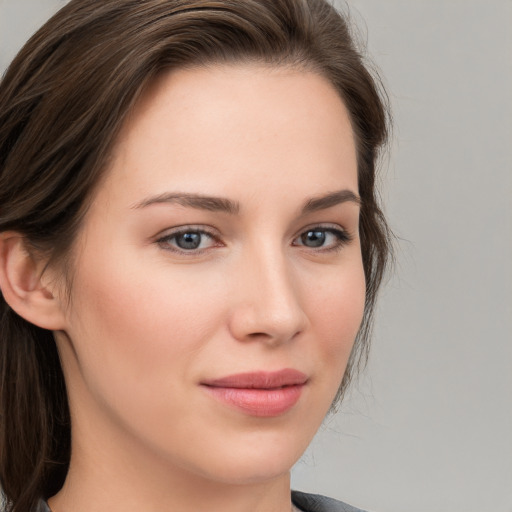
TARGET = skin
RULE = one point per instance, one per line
(147, 323)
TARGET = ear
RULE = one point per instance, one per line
(21, 282)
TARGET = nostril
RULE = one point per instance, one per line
(257, 334)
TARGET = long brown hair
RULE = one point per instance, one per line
(62, 103)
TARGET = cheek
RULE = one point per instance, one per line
(137, 343)
(337, 313)
(136, 323)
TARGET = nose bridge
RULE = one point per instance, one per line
(268, 304)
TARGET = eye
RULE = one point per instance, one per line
(187, 240)
(323, 238)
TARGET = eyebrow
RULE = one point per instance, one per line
(222, 204)
(201, 202)
(329, 200)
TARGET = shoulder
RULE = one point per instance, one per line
(316, 503)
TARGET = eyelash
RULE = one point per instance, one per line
(165, 240)
(342, 239)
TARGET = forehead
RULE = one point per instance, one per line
(228, 122)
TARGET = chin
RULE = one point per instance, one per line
(250, 471)
(257, 459)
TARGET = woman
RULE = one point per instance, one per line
(191, 248)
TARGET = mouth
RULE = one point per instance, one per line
(261, 394)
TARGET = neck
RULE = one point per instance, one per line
(120, 475)
(92, 496)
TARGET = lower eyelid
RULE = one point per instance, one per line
(341, 235)
(167, 239)
(342, 238)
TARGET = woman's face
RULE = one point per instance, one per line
(219, 261)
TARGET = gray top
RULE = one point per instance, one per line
(316, 503)
(43, 507)
(304, 501)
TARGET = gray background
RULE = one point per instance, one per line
(428, 427)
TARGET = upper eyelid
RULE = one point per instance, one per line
(177, 230)
(213, 232)
(164, 238)
(329, 229)
(170, 233)
(326, 226)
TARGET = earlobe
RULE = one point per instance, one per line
(22, 286)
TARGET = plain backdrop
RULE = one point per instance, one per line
(428, 427)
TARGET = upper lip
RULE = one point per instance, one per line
(260, 380)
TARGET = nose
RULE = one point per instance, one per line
(266, 301)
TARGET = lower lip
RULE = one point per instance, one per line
(258, 402)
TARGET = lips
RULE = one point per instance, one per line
(262, 394)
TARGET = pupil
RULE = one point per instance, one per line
(313, 238)
(188, 240)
